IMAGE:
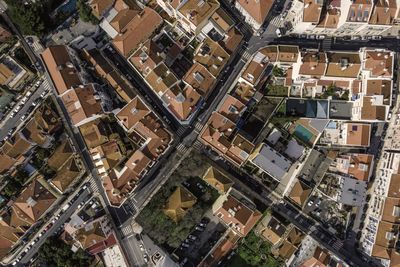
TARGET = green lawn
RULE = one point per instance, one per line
(276, 90)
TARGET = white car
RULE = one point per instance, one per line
(141, 247)
(29, 93)
(23, 117)
(278, 33)
(42, 95)
(23, 100)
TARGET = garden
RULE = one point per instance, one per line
(160, 228)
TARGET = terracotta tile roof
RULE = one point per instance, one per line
(9, 235)
(33, 202)
(61, 154)
(198, 11)
(345, 65)
(81, 103)
(391, 210)
(312, 11)
(99, 7)
(122, 19)
(47, 119)
(257, 9)
(394, 186)
(255, 69)
(132, 112)
(6, 75)
(313, 64)
(138, 30)
(226, 244)
(146, 57)
(240, 149)
(273, 231)
(386, 234)
(161, 79)
(384, 12)
(108, 155)
(156, 136)
(244, 92)
(182, 103)
(380, 87)
(356, 165)
(217, 131)
(6, 162)
(286, 250)
(107, 72)
(232, 40)
(271, 52)
(237, 215)
(218, 180)
(212, 56)
(138, 163)
(16, 146)
(200, 79)
(34, 133)
(321, 258)
(62, 72)
(330, 19)
(231, 108)
(379, 63)
(94, 133)
(222, 19)
(288, 53)
(179, 202)
(371, 111)
(358, 134)
(360, 11)
(66, 175)
(380, 252)
(300, 193)
(90, 234)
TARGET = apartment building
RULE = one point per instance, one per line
(345, 18)
(254, 11)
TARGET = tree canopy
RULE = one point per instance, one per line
(31, 18)
(56, 253)
(85, 12)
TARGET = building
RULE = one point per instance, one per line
(66, 175)
(138, 29)
(4, 34)
(82, 104)
(95, 236)
(12, 74)
(32, 203)
(59, 65)
(178, 203)
(300, 193)
(218, 180)
(236, 212)
(270, 161)
(352, 191)
(358, 166)
(347, 134)
(254, 11)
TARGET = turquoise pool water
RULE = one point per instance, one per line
(302, 133)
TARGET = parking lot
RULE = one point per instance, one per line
(199, 242)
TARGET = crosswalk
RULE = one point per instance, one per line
(181, 130)
(337, 245)
(277, 21)
(46, 85)
(93, 185)
(198, 126)
(127, 230)
(246, 56)
(37, 47)
(197, 145)
(326, 44)
(182, 148)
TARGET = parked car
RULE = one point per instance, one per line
(192, 237)
(23, 117)
(198, 228)
(141, 247)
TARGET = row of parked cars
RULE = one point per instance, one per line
(194, 235)
(51, 223)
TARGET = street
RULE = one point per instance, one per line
(84, 196)
(15, 121)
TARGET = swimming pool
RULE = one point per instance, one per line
(303, 133)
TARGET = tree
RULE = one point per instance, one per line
(30, 18)
(56, 253)
(85, 12)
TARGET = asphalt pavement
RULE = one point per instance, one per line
(10, 123)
